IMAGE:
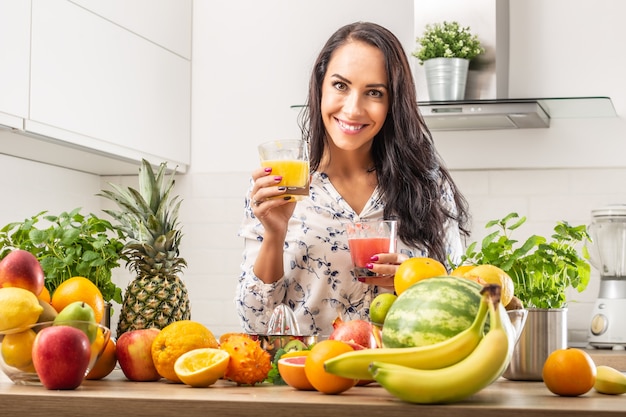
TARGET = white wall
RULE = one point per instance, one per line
(245, 79)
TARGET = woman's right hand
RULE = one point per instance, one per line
(267, 205)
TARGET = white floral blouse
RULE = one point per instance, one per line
(318, 284)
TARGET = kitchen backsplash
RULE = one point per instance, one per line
(212, 209)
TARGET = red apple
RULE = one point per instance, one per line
(22, 269)
(61, 356)
(134, 354)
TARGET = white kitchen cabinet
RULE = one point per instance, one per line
(164, 22)
(102, 96)
(14, 61)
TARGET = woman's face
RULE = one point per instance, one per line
(355, 95)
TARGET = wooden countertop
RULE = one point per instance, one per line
(116, 396)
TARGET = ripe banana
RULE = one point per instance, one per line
(610, 381)
(355, 364)
(456, 382)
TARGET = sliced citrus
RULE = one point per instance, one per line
(291, 369)
(202, 367)
(295, 353)
(174, 340)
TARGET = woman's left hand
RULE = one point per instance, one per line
(385, 264)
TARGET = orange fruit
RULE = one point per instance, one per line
(491, 274)
(460, 270)
(16, 350)
(78, 289)
(314, 370)
(295, 353)
(569, 372)
(105, 363)
(174, 340)
(291, 369)
(44, 295)
(416, 269)
(202, 367)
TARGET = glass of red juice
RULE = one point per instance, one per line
(368, 238)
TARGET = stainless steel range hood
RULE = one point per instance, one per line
(511, 113)
(487, 103)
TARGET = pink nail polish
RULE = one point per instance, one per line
(361, 279)
(374, 258)
(369, 266)
(268, 169)
(278, 178)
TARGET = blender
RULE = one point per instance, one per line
(608, 255)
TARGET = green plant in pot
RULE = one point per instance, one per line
(542, 270)
(67, 245)
(445, 50)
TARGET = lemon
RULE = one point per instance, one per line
(491, 274)
(380, 306)
(19, 308)
(16, 350)
(202, 367)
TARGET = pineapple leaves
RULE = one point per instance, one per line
(149, 216)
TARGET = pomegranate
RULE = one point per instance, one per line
(358, 333)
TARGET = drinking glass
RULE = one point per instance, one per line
(289, 159)
(368, 238)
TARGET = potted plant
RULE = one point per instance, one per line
(542, 271)
(445, 51)
(71, 244)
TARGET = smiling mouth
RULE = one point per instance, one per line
(350, 127)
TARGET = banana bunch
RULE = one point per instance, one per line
(448, 372)
(609, 381)
(456, 382)
(356, 364)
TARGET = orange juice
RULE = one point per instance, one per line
(295, 175)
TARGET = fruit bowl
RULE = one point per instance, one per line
(16, 350)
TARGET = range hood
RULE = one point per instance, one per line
(487, 104)
(526, 113)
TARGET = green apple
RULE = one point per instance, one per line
(80, 315)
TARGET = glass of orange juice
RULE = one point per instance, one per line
(368, 238)
(290, 160)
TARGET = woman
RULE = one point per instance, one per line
(372, 157)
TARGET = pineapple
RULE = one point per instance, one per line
(149, 217)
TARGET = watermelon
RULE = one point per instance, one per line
(431, 311)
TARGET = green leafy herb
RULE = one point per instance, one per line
(273, 376)
(70, 245)
(541, 270)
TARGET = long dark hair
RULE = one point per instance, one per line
(410, 172)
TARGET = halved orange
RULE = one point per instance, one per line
(291, 369)
(202, 367)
